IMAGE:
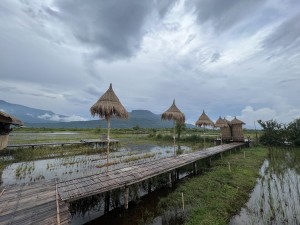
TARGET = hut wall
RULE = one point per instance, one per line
(3, 141)
(237, 132)
(226, 133)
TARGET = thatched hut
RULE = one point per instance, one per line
(224, 127)
(6, 121)
(226, 131)
(173, 113)
(204, 121)
(237, 130)
(106, 107)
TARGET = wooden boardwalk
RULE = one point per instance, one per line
(36, 203)
(46, 203)
(95, 184)
(86, 141)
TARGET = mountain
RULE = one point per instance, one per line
(140, 118)
(29, 115)
(44, 118)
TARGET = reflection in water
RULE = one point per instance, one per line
(276, 197)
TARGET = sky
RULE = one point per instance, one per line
(229, 58)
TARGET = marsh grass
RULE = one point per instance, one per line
(215, 196)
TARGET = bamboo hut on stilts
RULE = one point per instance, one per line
(106, 107)
(237, 130)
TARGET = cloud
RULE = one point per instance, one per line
(223, 15)
(59, 118)
(285, 38)
(110, 29)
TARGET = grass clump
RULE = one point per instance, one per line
(215, 196)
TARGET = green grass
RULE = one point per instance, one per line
(215, 196)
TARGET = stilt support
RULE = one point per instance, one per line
(106, 202)
(126, 197)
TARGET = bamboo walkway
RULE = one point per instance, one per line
(99, 183)
(36, 203)
(46, 203)
(86, 141)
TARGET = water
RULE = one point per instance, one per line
(276, 197)
(68, 167)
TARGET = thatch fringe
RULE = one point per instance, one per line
(109, 105)
(173, 113)
(204, 120)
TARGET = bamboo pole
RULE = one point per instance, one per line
(182, 198)
(174, 137)
(108, 140)
(57, 206)
(126, 197)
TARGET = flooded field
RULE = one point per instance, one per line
(68, 167)
(276, 197)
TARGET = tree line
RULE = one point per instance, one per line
(279, 134)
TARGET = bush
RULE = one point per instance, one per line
(273, 133)
(293, 132)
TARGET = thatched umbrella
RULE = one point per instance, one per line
(221, 123)
(173, 113)
(204, 120)
(108, 106)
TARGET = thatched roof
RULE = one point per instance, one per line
(173, 113)
(109, 105)
(6, 118)
(204, 120)
(221, 122)
(236, 121)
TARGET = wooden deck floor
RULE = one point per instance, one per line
(36, 203)
(86, 186)
(85, 141)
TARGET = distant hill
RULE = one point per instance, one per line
(44, 118)
(141, 118)
(27, 114)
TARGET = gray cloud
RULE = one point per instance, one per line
(111, 29)
(223, 14)
(285, 39)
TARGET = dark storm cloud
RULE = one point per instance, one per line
(286, 38)
(112, 29)
(223, 14)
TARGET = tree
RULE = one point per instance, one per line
(273, 133)
(293, 132)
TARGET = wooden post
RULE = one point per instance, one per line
(195, 168)
(57, 206)
(126, 197)
(174, 137)
(108, 139)
(229, 167)
(182, 201)
(149, 186)
(170, 179)
(244, 155)
(106, 202)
